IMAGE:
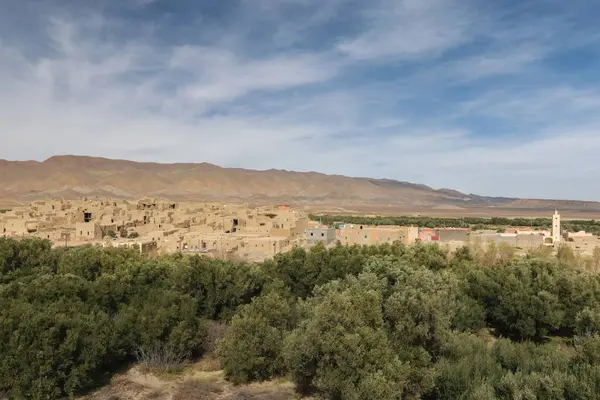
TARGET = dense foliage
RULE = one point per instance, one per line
(591, 226)
(416, 322)
(384, 322)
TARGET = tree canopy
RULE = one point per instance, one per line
(350, 322)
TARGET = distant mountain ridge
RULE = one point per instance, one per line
(78, 176)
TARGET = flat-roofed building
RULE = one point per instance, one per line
(320, 234)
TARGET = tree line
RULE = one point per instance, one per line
(350, 322)
(591, 226)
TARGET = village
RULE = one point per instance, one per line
(241, 232)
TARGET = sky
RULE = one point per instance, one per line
(498, 98)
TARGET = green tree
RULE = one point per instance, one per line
(596, 259)
(565, 255)
(252, 347)
(465, 370)
(521, 299)
(341, 349)
(587, 321)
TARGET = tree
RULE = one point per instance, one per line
(252, 347)
(587, 321)
(341, 349)
(596, 259)
(522, 299)
(421, 309)
(565, 255)
(506, 253)
(466, 370)
(490, 255)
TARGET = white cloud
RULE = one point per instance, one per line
(410, 29)
(219, 75)
(551, 105)
(494, 63)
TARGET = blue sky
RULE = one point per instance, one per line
(487, 97)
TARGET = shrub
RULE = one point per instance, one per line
(162, 357)
(214, 332)
(252, 347)
(587, 322)
(341, 349)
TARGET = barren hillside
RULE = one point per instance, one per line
(77, 176)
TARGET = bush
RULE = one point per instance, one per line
(466, 369)
(214, 332)
(521, 300)
(587, 322)
(162, 357)
(252, 347)
(341, 349)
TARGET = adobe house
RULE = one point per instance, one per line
(15, 226)
(453, 234)
(87, 231)
(371, 235)
(322, 234)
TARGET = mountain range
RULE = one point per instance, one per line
(82, 176)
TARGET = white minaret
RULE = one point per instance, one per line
(556, 227)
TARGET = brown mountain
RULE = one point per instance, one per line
(78, 176)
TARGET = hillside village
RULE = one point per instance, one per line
(159, 226)
(237, 231)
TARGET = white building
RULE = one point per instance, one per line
(556, 227)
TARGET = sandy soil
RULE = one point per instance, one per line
(203, 380)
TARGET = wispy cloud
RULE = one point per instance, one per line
(410, 29)
(218, 75)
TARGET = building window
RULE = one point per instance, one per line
(312, 234)
(322, 234)
(365, 236)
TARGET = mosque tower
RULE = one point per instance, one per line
(556, 237)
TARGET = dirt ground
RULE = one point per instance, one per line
(199, 381)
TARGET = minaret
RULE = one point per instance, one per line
(556, 227)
